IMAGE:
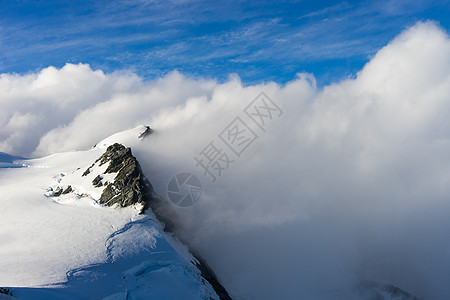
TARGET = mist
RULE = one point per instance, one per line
(346, 183)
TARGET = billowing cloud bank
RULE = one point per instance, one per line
(350, 183)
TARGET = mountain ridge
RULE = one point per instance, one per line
(137, 252)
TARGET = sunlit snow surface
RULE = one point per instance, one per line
(70, 247)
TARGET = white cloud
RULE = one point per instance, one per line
(351, 183)
(51, 99)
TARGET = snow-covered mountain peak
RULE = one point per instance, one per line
(127, 137)
(86, 237)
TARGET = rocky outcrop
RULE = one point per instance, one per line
(97, 182)
(130, 186)
(60, 191)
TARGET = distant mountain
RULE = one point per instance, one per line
(9, 161)
(377, 291)
(82, 225)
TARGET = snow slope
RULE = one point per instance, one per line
(70, 247)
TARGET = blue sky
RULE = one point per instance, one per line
(260, 41)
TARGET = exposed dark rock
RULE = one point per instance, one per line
(57, 193)
(209, 275)
(5, 291)
(67, 190)
(97, 182)
(130, 186)
(88, 170)
(147, 131)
